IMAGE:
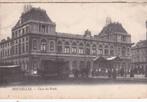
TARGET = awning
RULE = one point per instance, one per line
(100, 59)
(111, 58)
(9, 66)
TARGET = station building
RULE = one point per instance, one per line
(35, 41)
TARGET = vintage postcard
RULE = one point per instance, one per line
(76, 49)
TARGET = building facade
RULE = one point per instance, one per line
(139, 57)
(35, 40)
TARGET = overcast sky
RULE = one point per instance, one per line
(77, 17)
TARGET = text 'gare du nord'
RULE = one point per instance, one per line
(37, 48)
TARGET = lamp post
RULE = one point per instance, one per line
(146, 29)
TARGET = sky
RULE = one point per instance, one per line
(75, 18)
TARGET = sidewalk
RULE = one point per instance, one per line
(136, 77)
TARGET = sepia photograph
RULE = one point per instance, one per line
(73, 50)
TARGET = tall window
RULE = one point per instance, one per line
(128, 51)
(43, 45)
(16, 52)
(59, 47)
(27, 29)
(27, 47)
(94, 49)
(106, 50)
(34, 44)
(119, 51)
(23, 31)
(112, 51)
(67, 47)
(100, 49)
(52, 46)
(81, 48)
(123, 38)
(42, 28)
(123, 51)
(74, 48)
(87, 50)
(23, 48)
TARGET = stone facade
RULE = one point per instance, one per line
(34, 39)
(139, 57)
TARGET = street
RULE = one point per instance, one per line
(74, 81)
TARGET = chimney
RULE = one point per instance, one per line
(27, 8)
(108, 21)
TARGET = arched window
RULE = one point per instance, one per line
(106, 51)
(87, 50)
(43, 45)
(112, 51)
(52, 46)
(94, 49)
(59, 46)
(67, 47)
(100, 49)
(74, 48)
(81, 48)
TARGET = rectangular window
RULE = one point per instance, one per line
(74, 50)
(23, 31)
(66, 50)
(123, 38)
(23, 48)
(34, 44)
(16, 50)
(81, 51)
(27, 47)
(43, 28)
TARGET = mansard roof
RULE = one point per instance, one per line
(113, 28)
(36, 14)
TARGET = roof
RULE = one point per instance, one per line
(34, 14)
(69, 35)
(141, 44)
(112, 28)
